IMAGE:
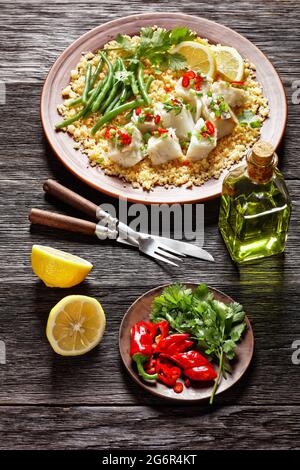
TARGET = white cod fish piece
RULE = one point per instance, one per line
(216, 110)
(175, 115)
(145, 120)
(128, 155)
(163, 148)
(191, 96)
(189, 93)
(202, 143)
(233, 96)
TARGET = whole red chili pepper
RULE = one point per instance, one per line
(167, 372)
(188, 359)
(142, 334)
(200, 373)
(174, 340)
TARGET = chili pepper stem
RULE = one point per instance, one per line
(144, 374)
(217, 380)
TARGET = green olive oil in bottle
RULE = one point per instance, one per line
(255, 207)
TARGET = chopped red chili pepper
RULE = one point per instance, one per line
(138, 111)
(167, 89)
(238, 83)
(167, 373)
(162, 131)
(185, 163)
(175, 101)
(148, 117)
(185, 81)
(190, 74)
(107, 134)
(178, 387)
(187, 383)
(210, 127)
(157, 119)
(164, 327)
(204, 134)
(198, 82)
(126, 139)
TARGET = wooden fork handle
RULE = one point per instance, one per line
(70, 197)
(64, 222)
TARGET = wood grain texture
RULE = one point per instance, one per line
(126, 427)
(90, 402)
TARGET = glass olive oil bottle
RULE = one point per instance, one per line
(255, 207)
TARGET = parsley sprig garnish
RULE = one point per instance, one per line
(155, 45)
(217, 327)
(174, 105)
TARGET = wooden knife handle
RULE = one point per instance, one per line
(64, 222)
(70, 197)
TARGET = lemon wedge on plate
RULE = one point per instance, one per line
(229, 63)
(198, 56)
(75, 325)
(58, 268)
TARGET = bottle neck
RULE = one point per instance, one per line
(261, 173)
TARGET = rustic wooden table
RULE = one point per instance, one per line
(50, 402)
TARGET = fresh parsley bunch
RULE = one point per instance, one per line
(215, 326)
(155, 45)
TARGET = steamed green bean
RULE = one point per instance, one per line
(106, 87)
(115, 112)
(142, 87)
(87, 83)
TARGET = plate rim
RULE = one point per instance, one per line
(138, 198)
(176, 398)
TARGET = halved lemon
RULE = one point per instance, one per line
(58, 268)
(198, 56)
(75, 325)
(229, 63)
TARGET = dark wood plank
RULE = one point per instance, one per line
(136, 428)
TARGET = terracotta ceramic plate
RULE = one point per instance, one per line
(77, 163)
(140, 310)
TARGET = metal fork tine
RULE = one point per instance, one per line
(164, 246)
(161, 258)
(168, 255)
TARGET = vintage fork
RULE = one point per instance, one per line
(146, 244)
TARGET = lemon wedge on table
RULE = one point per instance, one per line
(198, 56)
(58, 268)
(75, 325)
(229, 63)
